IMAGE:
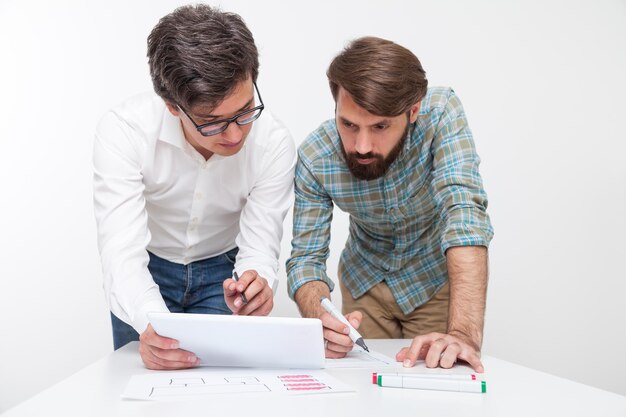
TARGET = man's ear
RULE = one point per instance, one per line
(173, 108)
(415, 109)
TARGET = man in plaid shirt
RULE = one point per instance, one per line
(400, 159)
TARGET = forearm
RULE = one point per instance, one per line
(468, 275)
(262, 217)
(308, 298)
(122, 223)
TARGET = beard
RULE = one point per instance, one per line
(379, 166)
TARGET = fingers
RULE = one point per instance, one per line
(230, 287)
(438, 349)
(416, 351)
(400, 356)
(258, 293)
(448, 357)
(337, 345)
(159, 352)
(473, 358)
(330, 353)
(260, 304)
(155, 358)
(355, 318)
(245, 279)
(336, 340)
(150, 337)
(234, 290)
(435, 352)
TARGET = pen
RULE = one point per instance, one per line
(354, 335)
(397, 381)
(243, 296)
(458, 377)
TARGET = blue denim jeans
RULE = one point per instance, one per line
(193, 288)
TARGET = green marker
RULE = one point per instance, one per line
(438, 384)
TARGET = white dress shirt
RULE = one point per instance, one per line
(153, 191)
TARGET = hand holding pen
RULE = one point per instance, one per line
(248, 294)
(244, 300)
(340, 332)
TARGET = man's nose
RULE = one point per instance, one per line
(233, 133)
(363, 143)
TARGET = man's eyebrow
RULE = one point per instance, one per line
(344, 120)
(384, 121)
(210, 117)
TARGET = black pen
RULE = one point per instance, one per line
(243, 296)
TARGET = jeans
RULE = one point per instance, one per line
(193, 288)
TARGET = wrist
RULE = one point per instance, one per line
(471, 338)
(308, 298)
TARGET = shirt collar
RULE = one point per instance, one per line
(172, 131)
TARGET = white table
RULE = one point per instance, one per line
(512, 390)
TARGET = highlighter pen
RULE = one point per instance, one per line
(354, 335)
(458, 377)
(432, 384)
(243, 296)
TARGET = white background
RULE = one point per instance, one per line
(543, 84)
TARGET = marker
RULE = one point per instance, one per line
(242, 295)
(396, 381)
(354, 335)
(459, 377)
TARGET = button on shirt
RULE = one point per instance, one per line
(401, 224)
(153, 191)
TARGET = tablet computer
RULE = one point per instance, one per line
(245, 341)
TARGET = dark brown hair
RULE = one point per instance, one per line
(199, 54)
(381, 76)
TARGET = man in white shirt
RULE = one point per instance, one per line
(191, 184)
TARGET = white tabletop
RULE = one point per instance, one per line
(512, 390)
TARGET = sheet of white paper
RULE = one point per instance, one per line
(359, 358)
(172, 386)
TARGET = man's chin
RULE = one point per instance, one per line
(366, 174)
(228, 150)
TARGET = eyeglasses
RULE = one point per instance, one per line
(218, 126)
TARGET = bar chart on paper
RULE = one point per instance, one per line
(167, 386)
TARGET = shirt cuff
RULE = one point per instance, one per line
(466, 235)
(152, 302)
(297, 277)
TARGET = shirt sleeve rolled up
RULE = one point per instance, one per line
(456, 182)
(312, 213)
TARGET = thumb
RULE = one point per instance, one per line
(229, 287)
(355, 318)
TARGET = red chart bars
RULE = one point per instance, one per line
(302, 383)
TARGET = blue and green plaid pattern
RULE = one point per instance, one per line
(401, 225)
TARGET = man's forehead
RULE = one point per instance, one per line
(350, 111)
(346, 107)
(238, 99)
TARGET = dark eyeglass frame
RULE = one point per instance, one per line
(230, 120)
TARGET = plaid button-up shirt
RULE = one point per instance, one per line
(401, 224)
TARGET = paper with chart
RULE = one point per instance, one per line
(359, 358)
(171, 386)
